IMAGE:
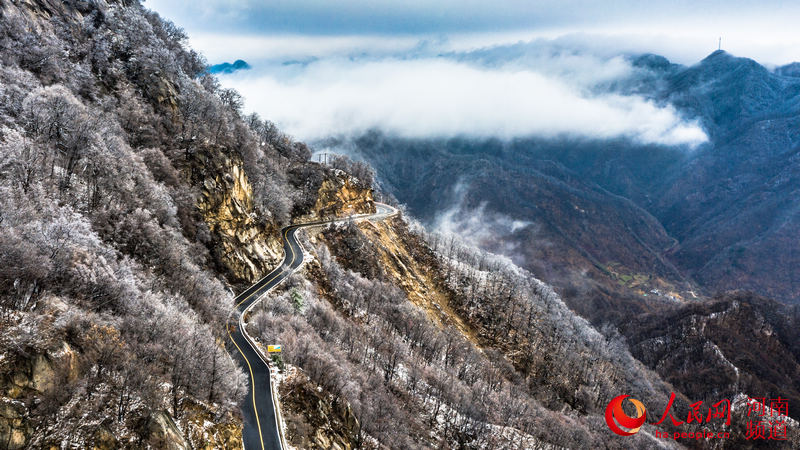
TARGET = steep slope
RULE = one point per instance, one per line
(440, 334)
(736, 343)
(731, 204)
(602, 251)
(450, 347)
(702, 220)
(135, 196)
(734, 205)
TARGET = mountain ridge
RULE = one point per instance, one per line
(228, 68)
(736, 191)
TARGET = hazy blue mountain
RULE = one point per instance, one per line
(734, 205)
(722, 216)
(789, 70)
(227, 67)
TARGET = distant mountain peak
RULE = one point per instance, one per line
(789, 70)
(720, 62)
(719, 54)
(718, 57)
(652, 62)
(227, 67)
(721, 57)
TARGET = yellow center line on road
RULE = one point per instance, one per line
(252, 385)
(285, 236)
(276, 275)
(267, 282)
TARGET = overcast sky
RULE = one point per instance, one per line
(323, 67)
(764, 30)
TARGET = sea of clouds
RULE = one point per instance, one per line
(425, 89)
(466, 67)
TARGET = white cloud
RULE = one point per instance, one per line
(429, 97)
(219, 47)
(482, 228)
(767, 21)
(681, 30)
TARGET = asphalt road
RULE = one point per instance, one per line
(260, 424)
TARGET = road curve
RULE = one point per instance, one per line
(261, 430)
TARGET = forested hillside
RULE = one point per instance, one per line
(129, 180)
(426, 342)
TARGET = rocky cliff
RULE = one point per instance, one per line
(737, 342)
(244, 245)
(27, 376)
(146, 198)
(341, 195)
(400, 330)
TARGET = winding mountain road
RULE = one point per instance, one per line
(261, 429)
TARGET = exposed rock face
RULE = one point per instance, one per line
(246, 248)
(246, 245)
(37, 374)
(162, 92)
(738, 342)
(206, 431)
(13, 430)
(341, 196)
(104, 440)
(42, 373)
(409, 264)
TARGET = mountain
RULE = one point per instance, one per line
(137, 197)
(733, 206)
(691, 222)
(521, 199)
(228, 67)
(653, 239)
(789, 70)
(736, 342)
